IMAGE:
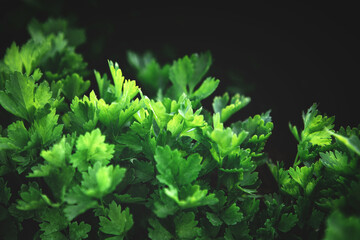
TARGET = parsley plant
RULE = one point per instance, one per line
(123, 162)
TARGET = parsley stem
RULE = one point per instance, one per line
(297, 161)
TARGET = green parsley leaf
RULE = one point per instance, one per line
(259, 128)
(91, 148)
(338, 162)
(173, 169)
(28, 57)
(46, 129)
(53, 222)
(74, 85)
(117, 222)
(237, 102)
(214, 219)
(190, 196)
(225, 141)
(301, 175)
(187, 72)
(101, 180)
(79, 231)
(85, 113)
(12, 58)
(163, 205)
(287, 222)
(352, 142)
(280, 174)
(232, 215)
(32, 197)
(59, 154)
(106, 89)
(77, 203)
(22, 97)
(18, 135)
(207, 87)
(151, 76)
(186, 226)
(118, 78)
(181, 73)
(316, 126)
(157, 231)
(56, 171)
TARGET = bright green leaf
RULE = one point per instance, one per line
(47, 128)
(173, 169)
(301, 175)
(353, 142)
(206, 88)
(85, 113)
(12, 58)
(91, 148)
(191, 196)
(101, 180)
(338, 161)
(31, 197)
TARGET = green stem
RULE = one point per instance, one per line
(297, 160)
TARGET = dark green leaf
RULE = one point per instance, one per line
(287, 222)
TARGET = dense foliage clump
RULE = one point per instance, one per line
(123, 162)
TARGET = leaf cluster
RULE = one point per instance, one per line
(323, 181)
(127, 162)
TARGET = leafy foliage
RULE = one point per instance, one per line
(121, 162)
(322, 181)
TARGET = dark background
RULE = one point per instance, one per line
(284, 56)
